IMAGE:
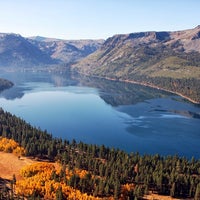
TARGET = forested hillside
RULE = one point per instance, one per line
(95, 172)
(168, 60)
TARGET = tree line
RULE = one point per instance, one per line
(109, 170)
(189, 87)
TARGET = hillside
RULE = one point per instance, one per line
(168, 60)
(16, 50)
(86, 171)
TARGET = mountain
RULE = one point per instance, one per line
(16, 50)
(168, 60)
(66, 51)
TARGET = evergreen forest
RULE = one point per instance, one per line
(95, 172)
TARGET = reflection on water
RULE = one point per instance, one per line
(121, 115)
(180, 113)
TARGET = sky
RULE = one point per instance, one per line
(96, 19)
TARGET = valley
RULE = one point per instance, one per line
(112, 119)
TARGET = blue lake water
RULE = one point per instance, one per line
(120, 115)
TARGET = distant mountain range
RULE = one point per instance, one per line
(66, 51)
(17, 51)
(167, 60)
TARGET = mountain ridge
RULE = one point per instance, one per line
(167, 60)
(66, 51)
(18, 51)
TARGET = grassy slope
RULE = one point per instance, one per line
(173, 67)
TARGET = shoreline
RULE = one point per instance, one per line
(159, 88)
(144, 84)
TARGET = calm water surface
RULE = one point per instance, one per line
(120, 115)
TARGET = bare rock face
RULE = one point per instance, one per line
(190, 39)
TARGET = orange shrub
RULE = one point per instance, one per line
(10, 146)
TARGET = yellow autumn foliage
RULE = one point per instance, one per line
(10, 146)
(81, 172)
(125, 189)
(38, 178)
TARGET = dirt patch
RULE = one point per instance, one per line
(10, 164)
(161, 197)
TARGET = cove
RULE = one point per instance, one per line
(121, 115)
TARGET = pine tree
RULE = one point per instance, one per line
(197, 193)
(117, 189)
(172, 191)
(107, 189)
(59, 194)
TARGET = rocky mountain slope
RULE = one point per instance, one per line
(17, 51)
(169, 60)
(66, 51)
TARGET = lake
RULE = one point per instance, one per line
(126, 116)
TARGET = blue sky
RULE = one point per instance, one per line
(94, 19)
